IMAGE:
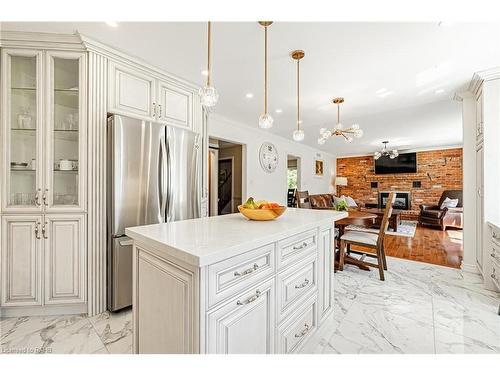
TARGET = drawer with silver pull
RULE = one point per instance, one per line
(495, 235)
(495, 273)
(295, 331)
(296, 247)
(294, 284)
(232, 275)
(495, 252)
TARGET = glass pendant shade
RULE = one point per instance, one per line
(265, 121)
(327, 134)
(358, 133)
(298, 135)
(338, 126)
(377, 155)
(355, 127)
(348, 139)
(322, 131)
(208, 96)
(321, 141)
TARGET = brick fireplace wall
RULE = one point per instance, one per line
(437, 170)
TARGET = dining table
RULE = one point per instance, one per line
(355, 217)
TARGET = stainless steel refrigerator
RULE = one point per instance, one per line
(153, 176)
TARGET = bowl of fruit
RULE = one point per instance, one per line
(261, 210)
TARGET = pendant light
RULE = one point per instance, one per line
(265, 120)
(385, 152)
(298, 135)
(208, 94)
(348, 134)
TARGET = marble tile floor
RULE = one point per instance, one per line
(107, 333)
(420, 308)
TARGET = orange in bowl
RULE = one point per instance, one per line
(262, 214)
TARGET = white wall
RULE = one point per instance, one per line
(272, 186)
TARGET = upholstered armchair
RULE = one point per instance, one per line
(443, 217)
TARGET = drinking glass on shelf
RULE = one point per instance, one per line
(24, 118)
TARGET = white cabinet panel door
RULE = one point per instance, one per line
(131, 92)
(65, 271)
(21, 261)
(245, 324)
(325, 273)
(175, 105)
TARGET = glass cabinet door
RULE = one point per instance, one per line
(65, 130)
(21, 73)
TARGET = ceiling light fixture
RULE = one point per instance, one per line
(265, 120)
(348, 134)
(279, 110)
(112, 23)
(439, 91)
(385, 152)
(204, 72)
(298, 135)
(208, 94)
(249, 95)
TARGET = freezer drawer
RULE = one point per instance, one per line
(120, 274)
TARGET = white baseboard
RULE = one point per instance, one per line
(471, 268)
(10, 312)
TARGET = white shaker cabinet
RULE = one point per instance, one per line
(131, 92)
(21, 259)
(244, 324)
(141, 94)
(64, 250)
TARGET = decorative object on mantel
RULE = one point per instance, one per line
(385, 152)
(268, 156)
(265, 120)
(298, 135)
(318, 167)
(340, 181)
(208, 94)
(348, 134)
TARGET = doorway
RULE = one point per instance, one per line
(293, 178)
(225, 177)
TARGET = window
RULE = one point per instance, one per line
(292, 178)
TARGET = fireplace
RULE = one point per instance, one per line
(402, 202)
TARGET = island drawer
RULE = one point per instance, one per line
(296, 247)
(495, 273)
(229, 277)
(495, 235)
(294, 284)
(293, 333)
(495, 252)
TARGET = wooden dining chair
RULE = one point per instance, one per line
(369, 240)
(303, 199)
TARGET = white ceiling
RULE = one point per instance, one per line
(353, 60)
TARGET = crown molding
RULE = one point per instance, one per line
(482, 76)
(117, 55)
(35, 40)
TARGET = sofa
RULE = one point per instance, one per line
(434, 215)
(324, 201)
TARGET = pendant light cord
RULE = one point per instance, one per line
(209, 65)
(298, 95)
(265, 70)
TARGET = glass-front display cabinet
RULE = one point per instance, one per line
(64, 132)
(43, 150)
(22, 132)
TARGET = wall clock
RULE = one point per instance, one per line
(268, 156)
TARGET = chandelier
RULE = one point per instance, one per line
(348, 134)
(385, 152)
(265, 120)
(208, 94)
(298, 135)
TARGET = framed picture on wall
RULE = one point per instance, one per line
(318, 168)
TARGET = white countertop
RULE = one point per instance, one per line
(208, 240)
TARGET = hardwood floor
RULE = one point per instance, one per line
(429, 245)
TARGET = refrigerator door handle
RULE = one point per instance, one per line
(162, 184)
(169, 183)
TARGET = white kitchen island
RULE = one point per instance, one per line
(225, 284)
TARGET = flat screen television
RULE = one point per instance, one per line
(404, 163)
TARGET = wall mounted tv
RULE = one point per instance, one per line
(404, 163)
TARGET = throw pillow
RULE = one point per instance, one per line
(350, 202)
(449, 203)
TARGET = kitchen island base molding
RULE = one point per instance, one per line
(258, 299)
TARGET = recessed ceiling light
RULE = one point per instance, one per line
(249, 95)
(381, 91)
(445, 23)
(439, 91)
(385, 93)
(279, 110)
(204, 72)
(112, 23)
